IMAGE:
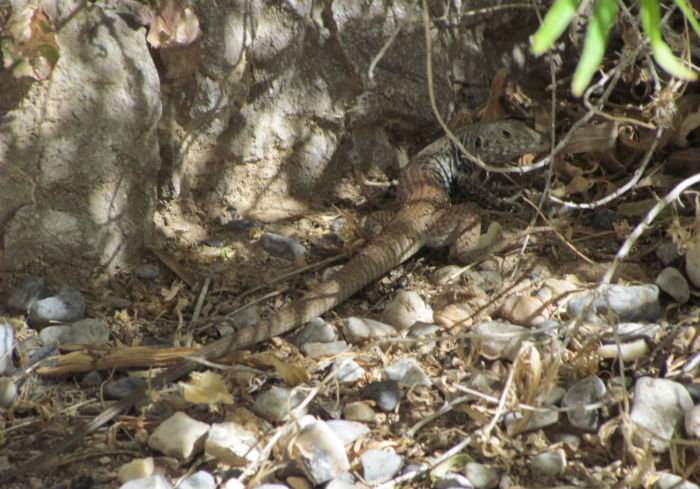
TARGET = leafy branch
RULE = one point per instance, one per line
(563, 12)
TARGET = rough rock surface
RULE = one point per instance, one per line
(268, 109)
(80, 151)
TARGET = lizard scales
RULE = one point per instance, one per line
(424, 193)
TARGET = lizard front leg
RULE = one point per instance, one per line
(459, 227)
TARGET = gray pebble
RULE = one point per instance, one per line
(41, 354)
(407, 371)
(316, 350)
(148, 272)
(91, 379)
(199, 480)
(232, 212)
(282, 247)
(214, 242)
(585, 391)
(85, 332)
(481, 476)
(694, 391)
(321, 452)
(668, 253)
(672, 481)
(347, 431)
(7, 342)
(423, 330)
(56, 335)
(549, 463)
(672, 281)
(692, 422)
(68, 305)
(347, 370)
(359, 329)
(499, 339)
(121, 388)
(627, 302)
(28, 344)
(380, 466)
(386, 393)
(8, 393)
(633, 331)
(574, 441)
(604, 218)
(275, 404)
(27, 292)
(241, 225)
(658, 407)
(338, 224)
(553, 397)
(317, 331)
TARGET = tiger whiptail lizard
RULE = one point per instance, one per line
(425, 217)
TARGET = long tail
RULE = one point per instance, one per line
(399, 241)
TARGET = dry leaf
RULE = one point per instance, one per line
(593, 138)
(622, 229)
(293, 375)
(493, 109)
(206, 388)
(29, 46)
(174, 25)
(688, 120)
(578, 185)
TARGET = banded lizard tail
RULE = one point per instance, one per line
(424, 198)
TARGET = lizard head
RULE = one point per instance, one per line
(500, 141)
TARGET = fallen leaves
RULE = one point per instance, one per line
(29, 45)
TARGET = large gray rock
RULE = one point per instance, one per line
(271, 106)
(287, 104)
(78, 187)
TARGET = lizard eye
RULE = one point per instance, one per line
(506, 133)
(477, 143)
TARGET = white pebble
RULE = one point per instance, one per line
(136, 469)
(692, 422)
(179, 436)
(549, 463)
(232, 444)
(658, 408)
(405, 309)
(524, 310)
(359, 329)
(671, 281)
(320, 451)
(692, 262)
(627, 352)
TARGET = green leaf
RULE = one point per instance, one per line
(49, 52)
(651, 19)
(7, 48)
(22, 68)
(459, 461)
(556, 20)
(682, 4)
(225, 253)
(599, 26)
